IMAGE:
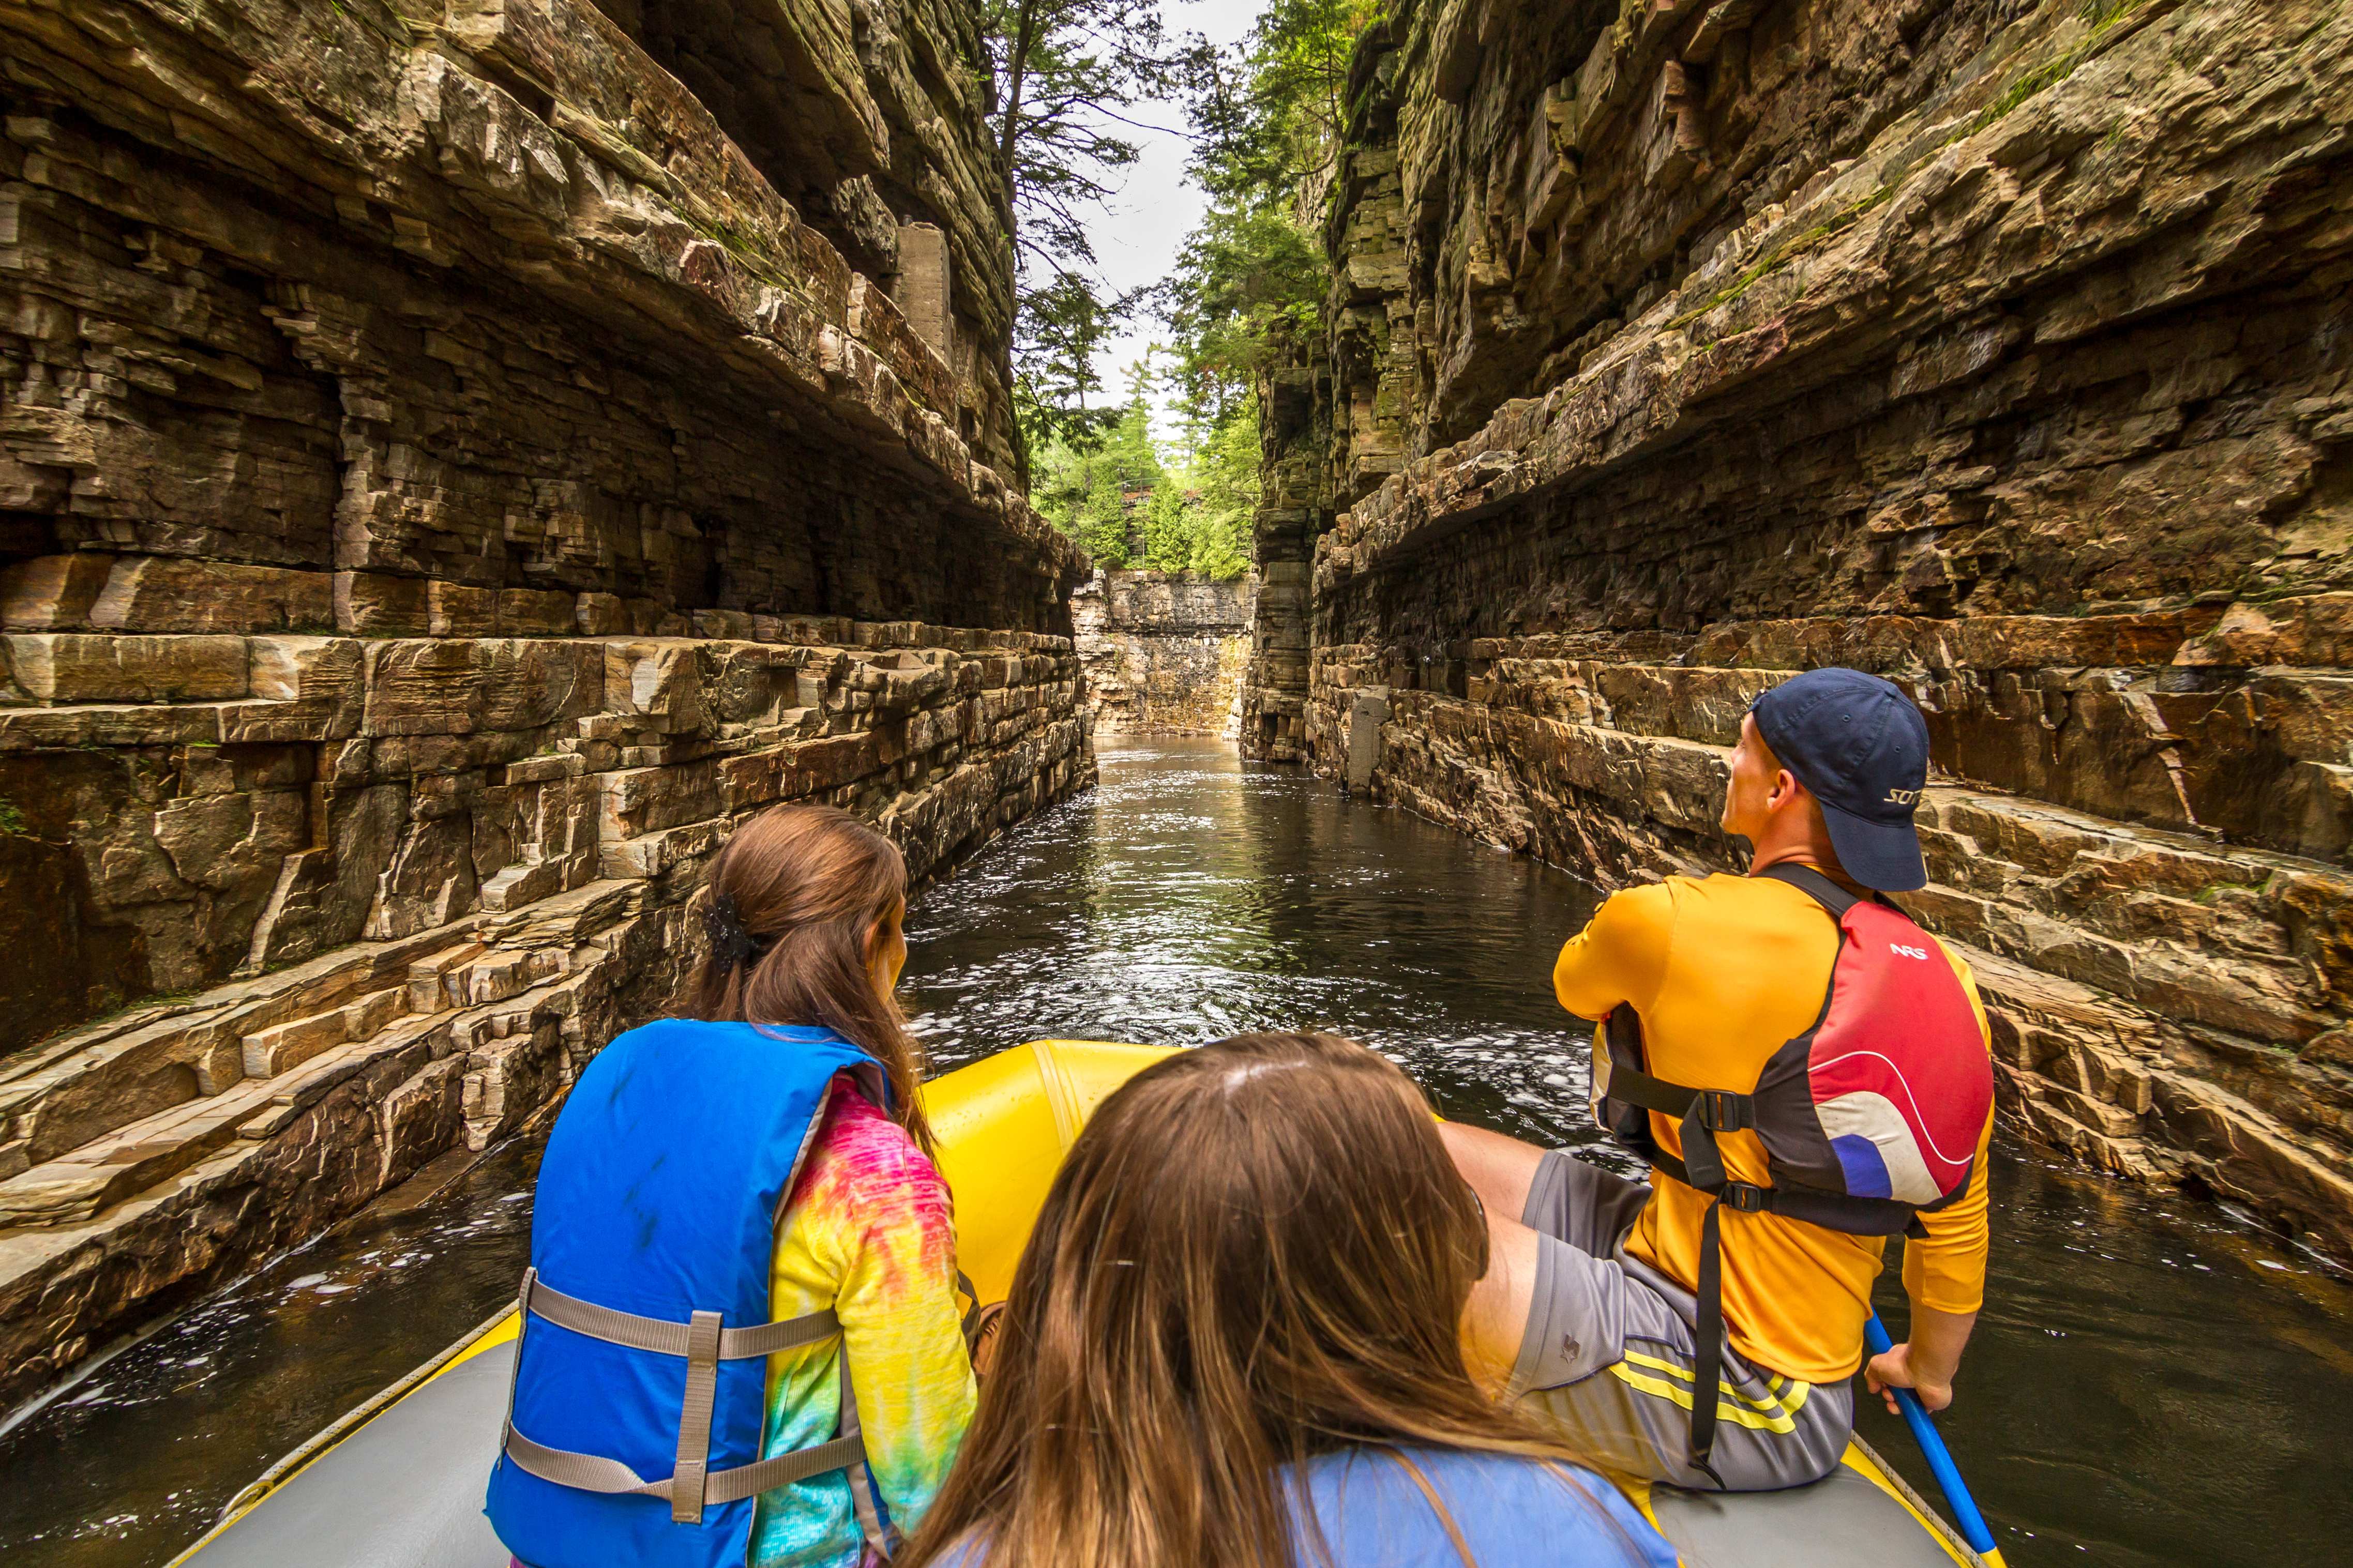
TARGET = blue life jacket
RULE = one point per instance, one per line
(633, 1433)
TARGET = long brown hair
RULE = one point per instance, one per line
(811, 887)
(1255, 1253)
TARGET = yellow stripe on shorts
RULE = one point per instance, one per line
(1776, 1413)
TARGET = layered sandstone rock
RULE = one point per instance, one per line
(2000, 350)
(512, 827)
(861, 117)
(1163, 652)
(444, 485)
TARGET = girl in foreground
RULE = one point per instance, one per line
(1234, 1342)
(766, 1161)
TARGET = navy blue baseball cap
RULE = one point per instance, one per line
(1860, 746)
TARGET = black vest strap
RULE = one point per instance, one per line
(1704, 1170)
(1832, 1211)
(1813, 884)
(1707, 1345)
(1717, 1109)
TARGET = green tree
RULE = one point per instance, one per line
(1132, 502)
(1061, 326)
(1268, 116)
(1199, 520)
(1098, 491)
(1266, 119)
(1248, 268)
(1066, 78)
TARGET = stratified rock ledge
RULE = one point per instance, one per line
(457, 458)
(1677, 347)
(1162, 653)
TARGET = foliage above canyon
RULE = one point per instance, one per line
(1267, 123)
(1132, 502)
(1265, 118)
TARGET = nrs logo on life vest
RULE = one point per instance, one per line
(1901, 952)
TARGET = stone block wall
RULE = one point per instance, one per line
(1163, 652)
(444, 486)
(1995, 348)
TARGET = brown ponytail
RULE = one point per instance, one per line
(794, 904)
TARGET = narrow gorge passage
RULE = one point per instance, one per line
(1673, 350)
(460, 459)
(2154, 1381)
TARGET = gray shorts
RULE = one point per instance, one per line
(1607, 1354)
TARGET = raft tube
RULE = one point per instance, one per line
(397, 1483)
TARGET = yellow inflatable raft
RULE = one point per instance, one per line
(397, 1483)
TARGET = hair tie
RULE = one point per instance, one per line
(731, 944)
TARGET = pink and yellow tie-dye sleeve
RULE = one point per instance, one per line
(869, 1232)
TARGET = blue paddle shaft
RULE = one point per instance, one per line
(1932, 1447)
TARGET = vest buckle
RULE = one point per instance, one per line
(1745, 1198)
(1721, 1110)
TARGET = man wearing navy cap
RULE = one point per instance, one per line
(1586, 1312)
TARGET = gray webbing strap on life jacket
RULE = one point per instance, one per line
(880, 1533)
(588, 1473)
(691, 1487)
(689, 1476)
(667, 1337)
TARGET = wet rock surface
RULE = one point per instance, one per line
(1991, 347)
(457, 460)
(1163, 652)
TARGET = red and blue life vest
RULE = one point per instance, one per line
(634, 1431)
(1869, 1119)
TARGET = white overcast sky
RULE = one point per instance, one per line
(1136, 239)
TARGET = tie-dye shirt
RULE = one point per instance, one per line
(869, 1232)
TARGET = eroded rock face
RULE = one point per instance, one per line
(446, 484)
(415, 937)
(862, 118)
(1163, 652)
(1992, 348)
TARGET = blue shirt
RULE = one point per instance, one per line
(1513, 1513)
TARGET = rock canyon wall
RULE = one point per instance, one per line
(457, 459)
(2000, 347)
(1163, 652)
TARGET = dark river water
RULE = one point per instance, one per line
(2152, 1381)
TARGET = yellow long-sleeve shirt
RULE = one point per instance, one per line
(1723, 972)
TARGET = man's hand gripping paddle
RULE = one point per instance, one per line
(1940, 1458)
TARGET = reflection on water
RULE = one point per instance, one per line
(1194, 895)
(133, 1462)
(2152, 1383)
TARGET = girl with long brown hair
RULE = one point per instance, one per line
(762, 1167)
(1234, 1342)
